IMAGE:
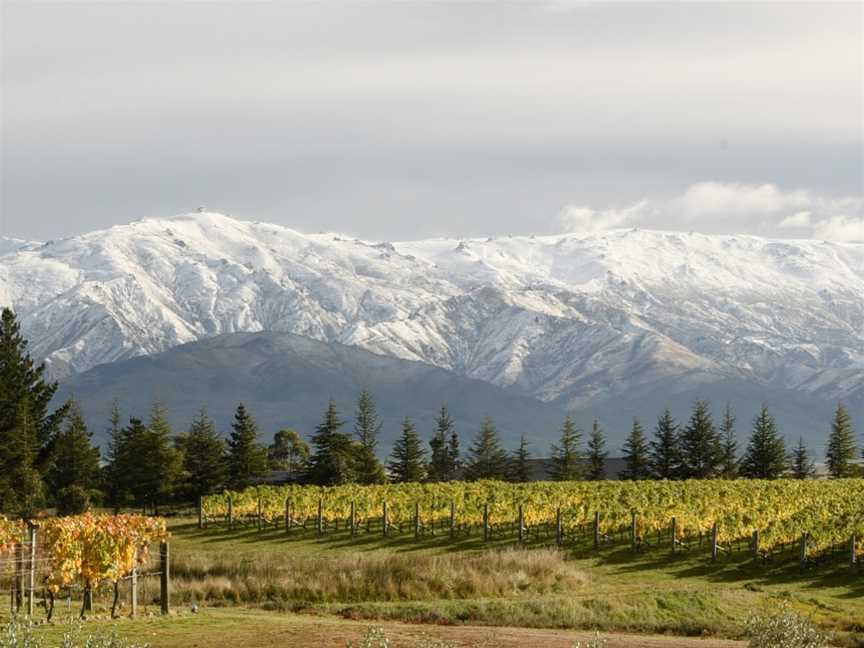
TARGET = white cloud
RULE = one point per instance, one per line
(840, 228)
(581, 219)
(732, 208)
(798, 219)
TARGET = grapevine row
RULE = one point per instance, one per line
(829, 512)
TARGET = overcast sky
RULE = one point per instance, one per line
(395, 121)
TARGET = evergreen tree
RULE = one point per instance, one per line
(566, 461)
(636, 454)
(146, 463)
(74, 473)
(289, 452)
(367, 468)
(454, 455)
(765, 457)
(520, 464)
(665, 449)
(841, 445)
(487, 459)
(205, 464)
(164, 461)
(112, 478)
(408, 459)
(26, 426)
(332, 460)
(700, 445)
(802, 465)
(445, 455)
(729, 446)
(596, 453)
(247, 459)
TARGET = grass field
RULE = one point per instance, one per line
(263, 589)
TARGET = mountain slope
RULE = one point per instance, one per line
(286, 380)
(570, 319)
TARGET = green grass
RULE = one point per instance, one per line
(613, 589)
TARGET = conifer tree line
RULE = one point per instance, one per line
(48, 459)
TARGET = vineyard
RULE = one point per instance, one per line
(78, 556)
(816, 517)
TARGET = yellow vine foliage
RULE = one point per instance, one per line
(10, 533)
(92, 548)
(829, 511)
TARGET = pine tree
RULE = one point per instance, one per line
(112, 478)
(566, 461)
(288, 452)
(247, 459)
(445, 455)
(367, 468)
(665, 448)
(205, 464)
(487, 459)
(454, 455)
(26, 427)
(163, 459)
(841, 445)
(636, 455)
(331, 462)
(139, 464)
(700, 445)
(765, 457)
(596, 453)
(408, 459)
(729, 446)
(802, 465)
(520, 463)
(74, 473)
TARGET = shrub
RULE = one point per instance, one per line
(784, 630)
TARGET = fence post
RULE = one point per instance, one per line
(803, 553)
(633, 516)
(596, 530)
(320, 516)
(164, 577)
(200, 511)
(674, 534)
(852, 557)
(559, 535)
(756, 544)
(31, 570)
(133, 592)
(714, 542)
(260, 518)
(452, 519)
(230, 513)
(486, 522)
(19, 577)
(521, 525)
(416, 520)
(287, 515)
(385, 522)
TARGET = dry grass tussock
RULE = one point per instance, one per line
(359, 577)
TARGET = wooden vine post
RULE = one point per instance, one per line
(260, 516)
(164, 577)
(19, 577)
(31, 570)
(559, 529)
(287, 515)
(486, 522)
(230, 513)
(852, 556)
(802, 557)
(521, 525)
(385, 522)
(200, 511)
(416, 520)
(320, 516)
(756, 544)
(452, 520)
(633, 537)
(714, 545)
(596, 530)
(353, 520)
(674, 534)
(133, 592)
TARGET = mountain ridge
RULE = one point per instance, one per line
(569, 319)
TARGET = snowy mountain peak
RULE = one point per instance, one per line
(565, 318)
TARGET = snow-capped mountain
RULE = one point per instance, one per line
(566, 318)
